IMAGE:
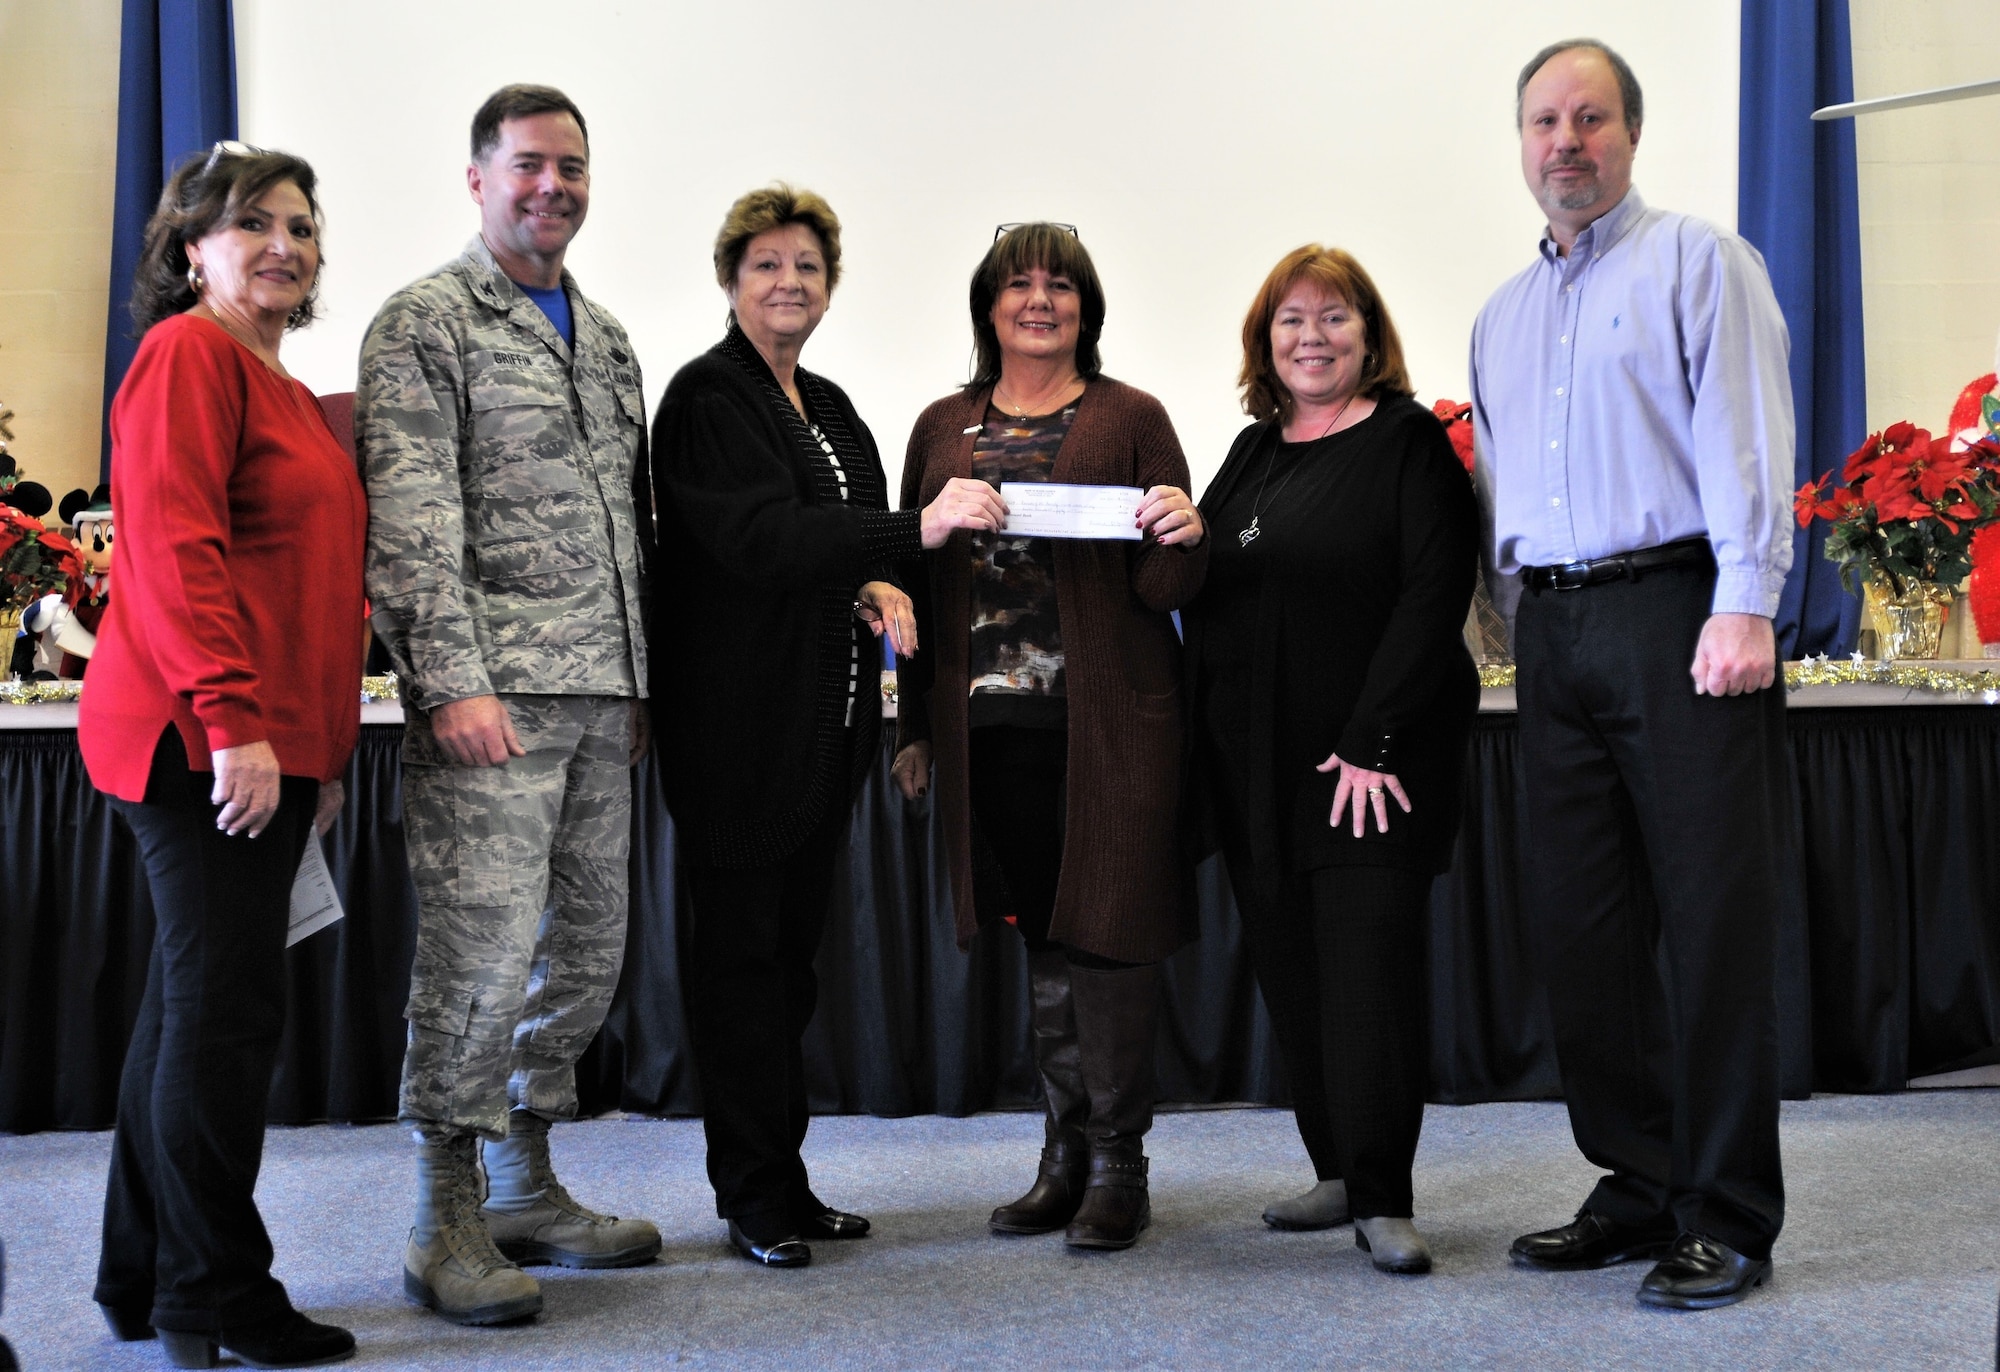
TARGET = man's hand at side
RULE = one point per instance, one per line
(1737, 653)
(476, 732)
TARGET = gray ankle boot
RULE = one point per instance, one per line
(534, 1219)
(1323, 1207)
(1052, 1201)
(450, 1263)
(1116, 1014)
(1393, 1245)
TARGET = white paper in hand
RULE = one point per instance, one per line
(314, 903)
(1053, 509)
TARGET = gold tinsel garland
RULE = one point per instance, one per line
(373, 688)
(39, 692)
(1977, 682)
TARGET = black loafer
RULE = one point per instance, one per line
(828, 1223)
(1591, 1241)
(1702, 1273)
(788, 1251)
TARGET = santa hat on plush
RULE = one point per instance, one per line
(1977, 416)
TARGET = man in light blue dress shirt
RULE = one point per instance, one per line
(1633, 414)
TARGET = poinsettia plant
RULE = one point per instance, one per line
(35, 560)
(1907, 506)
(1456, 416)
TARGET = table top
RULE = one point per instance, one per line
(1822, 685)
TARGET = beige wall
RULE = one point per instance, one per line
(1930, 204)
(1930, 208)
(58, 152)
(1930, 216)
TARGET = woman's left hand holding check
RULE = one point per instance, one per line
(1169, 516)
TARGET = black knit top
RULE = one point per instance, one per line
(1337, 628)
(752, 620)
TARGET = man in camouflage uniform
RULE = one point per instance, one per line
(502, 434)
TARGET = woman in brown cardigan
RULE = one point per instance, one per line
(1050, 696)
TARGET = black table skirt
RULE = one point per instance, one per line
(1890, 955)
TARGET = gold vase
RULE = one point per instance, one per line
(10, 629)
(1910, 625)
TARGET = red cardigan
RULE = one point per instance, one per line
(240, 530)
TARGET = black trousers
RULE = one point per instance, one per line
(751, 993)
(1339, 958)
(182, 1236)
(1655, 822)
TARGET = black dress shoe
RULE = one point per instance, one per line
(1702, 1273)
(786, 1251)
(290, 1340)
(1591, 1241)
(128, 1326)
(828, 1223)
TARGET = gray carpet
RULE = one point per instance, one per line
(1890, 1259)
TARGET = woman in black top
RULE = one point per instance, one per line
(1333, 699)
(776, 555)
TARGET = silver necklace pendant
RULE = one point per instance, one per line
(1250, 533)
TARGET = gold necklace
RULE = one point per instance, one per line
(1019, 411)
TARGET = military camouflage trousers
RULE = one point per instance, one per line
(521, 876)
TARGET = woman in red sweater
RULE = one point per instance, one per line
(1050, 692)
(221, 710)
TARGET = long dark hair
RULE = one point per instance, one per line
(204, 191)
(1057, 251)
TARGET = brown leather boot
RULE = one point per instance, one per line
(1058, 1190)
(1116, 1013)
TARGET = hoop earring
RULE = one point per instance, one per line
(196, 281)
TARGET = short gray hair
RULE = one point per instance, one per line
(1628, 84)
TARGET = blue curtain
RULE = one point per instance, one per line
(1796, 200)
(176, 95)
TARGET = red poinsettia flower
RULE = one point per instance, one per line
(1805, 502)
(1456, 416)
(1861, 463)
(1936, 468)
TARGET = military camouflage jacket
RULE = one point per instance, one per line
(508, 522)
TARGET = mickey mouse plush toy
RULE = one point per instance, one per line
(90, 513)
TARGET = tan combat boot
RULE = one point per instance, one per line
(533, 1218)
(451, 1264)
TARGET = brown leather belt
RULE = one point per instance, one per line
(1574, 576)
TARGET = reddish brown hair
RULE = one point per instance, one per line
(1339, 275)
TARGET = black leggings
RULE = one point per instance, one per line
(1339, 956)
(182, 1236)
(1019, 783)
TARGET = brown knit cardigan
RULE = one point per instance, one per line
(1125, 891)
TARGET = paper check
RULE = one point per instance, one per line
(1048, 509)
(315, 904)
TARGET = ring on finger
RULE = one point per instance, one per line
(1374, 790)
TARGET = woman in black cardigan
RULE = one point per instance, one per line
(776, 551)
(1333, 698)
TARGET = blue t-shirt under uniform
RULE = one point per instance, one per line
(554, 303)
